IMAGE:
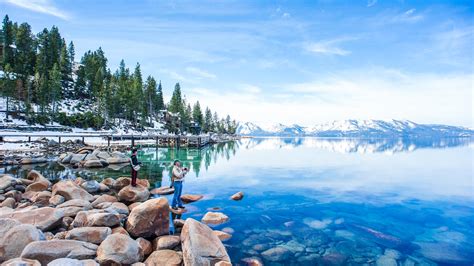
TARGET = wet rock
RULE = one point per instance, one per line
(164, 258)
(70, 190)
(386, 261)
(39, 185)
(65, 158)
(333, 259)
(21, 262)
(223, 263)
(237, 196)
(120, 249)
(146, 247)
(42, 198)
(16, 239)
(91, 186)
(276, 254)
(89, 234)
(392, 253)
(188, 198)
(133, 194)
(103, 188)
(215, 218)
(294, 246)
(47, 251)
(200, 246)
(166, 242)
(223, 236)
(56, 200)
(442, 252)
(94, 218)
(117, 160)
(7, 181)
(162, 191)
(150, 218)
(45, 219)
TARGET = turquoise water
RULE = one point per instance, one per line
(328, 202)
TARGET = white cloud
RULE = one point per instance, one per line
(409, 16)
(200, 73)
(41, 6)
(328, 47)
(371, 3)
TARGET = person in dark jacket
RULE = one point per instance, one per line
(135, 167)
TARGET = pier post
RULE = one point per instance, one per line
(83, 142)
(29, 138)
(108, 142)
(59, 138)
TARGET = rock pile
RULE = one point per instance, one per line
(78, 222)
(89, 157)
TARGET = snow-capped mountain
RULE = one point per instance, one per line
(357, 128)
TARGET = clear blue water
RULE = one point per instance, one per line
(328, 201)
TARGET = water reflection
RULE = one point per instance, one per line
(351, 145)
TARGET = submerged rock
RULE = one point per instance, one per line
(277, 254)
(215, 218)
(200, 246)
(47, 251)
(223, 236)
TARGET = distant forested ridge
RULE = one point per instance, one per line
(43, 84)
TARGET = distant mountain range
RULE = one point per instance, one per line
(357, 129)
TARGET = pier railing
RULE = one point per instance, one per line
(160, 140)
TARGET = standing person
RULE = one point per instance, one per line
(177, 178)
(135, 167)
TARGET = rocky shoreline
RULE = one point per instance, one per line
(78, 222)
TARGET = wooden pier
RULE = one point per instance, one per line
(177, 141)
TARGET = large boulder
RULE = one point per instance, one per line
(117, 160)
(15, 240)
(131, 194)
(70, 190)
(72, 207)
(36, 176)
(119, 249)
(7, 181)
(47, 251)
(45, 219)
(96, 218)
(89, 234)
(93, 163)
(200, 245)
(77, 158)
(215, 218)
(150, 218)
(110, 182)
(118, 207)
(39, 185)
(164, 258)
(56, 200)
(223, 236)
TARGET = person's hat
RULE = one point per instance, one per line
(176, 161)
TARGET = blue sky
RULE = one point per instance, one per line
(285, 61)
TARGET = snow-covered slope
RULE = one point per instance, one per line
(357, 128)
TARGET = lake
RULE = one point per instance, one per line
(315, 201)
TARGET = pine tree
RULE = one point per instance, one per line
(208, 125)
(55, 87)
(139, 109)
(215, 123)
(160, 103)
(150, 97)
(25, 58)
(8, 85)
(8, 40)
(176, 104)
(197, 114)
(71, 52)
(43, 60)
